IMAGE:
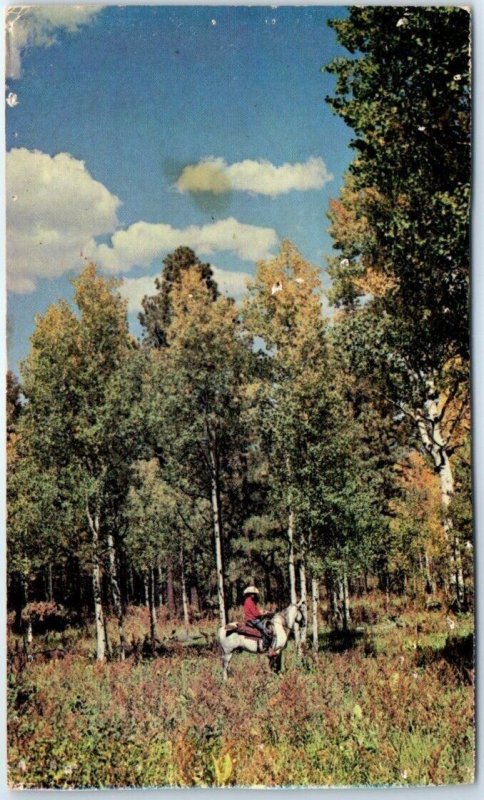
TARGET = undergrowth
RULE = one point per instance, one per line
(393, 706)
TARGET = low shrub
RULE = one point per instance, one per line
(332, 718)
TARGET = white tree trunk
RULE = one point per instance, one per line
(428, 573)
(217, 531)
(346, 600)
(30, 634)
(27, 618)
(292, 575)
(433, 440)
(116, 595)
(304, 597)
(99, 613)
(50, 589)
(96, 586)
(159, 582)
(315, 599)
(152, 608)
(291, 558)
(186, 618)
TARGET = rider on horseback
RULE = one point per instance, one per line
(254, 617)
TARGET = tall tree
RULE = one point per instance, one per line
(306, 424)
(196, 410)
(284, 310)
(80, 385)
(402, 221)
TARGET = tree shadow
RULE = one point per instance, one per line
(146, 650)
(339, 641)
(457, 652)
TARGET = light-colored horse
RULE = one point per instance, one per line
(283, 623)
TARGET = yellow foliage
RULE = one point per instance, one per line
(349, 224)
(418, 510)
(284, 307)
(223, 766)
(374, 283)
(196, 316)
(454, 403)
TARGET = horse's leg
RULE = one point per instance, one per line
(226, 658)
(275, 663)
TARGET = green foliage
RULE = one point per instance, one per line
(401, 225)
(38, 516)
(407, 97)
(195, 411)
(78, 431)
(461, 505)
(306, 426)
(14, 402)
(197, 379)
(402, 221)
(162, 523)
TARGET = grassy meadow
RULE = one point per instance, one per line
(392, 703)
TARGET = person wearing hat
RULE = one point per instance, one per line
(254, 615)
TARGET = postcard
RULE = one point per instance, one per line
(240, 541)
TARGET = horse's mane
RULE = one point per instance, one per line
(282, 616)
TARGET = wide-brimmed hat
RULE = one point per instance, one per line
(251, 590)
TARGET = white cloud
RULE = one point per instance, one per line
(258, 177)
(209, 175)
(230, 283)
(55, 208)
(36, 26)
(134, 289)
(142, 242)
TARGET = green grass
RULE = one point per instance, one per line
(361, 715)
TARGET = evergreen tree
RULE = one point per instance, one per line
(158, 309)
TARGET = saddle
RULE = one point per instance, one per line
(243, 629)
(248, 630)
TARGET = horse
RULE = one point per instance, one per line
(283, 623)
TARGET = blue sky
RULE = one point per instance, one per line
(132, 130)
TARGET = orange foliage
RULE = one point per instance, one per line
(418, 510)
(374, 283)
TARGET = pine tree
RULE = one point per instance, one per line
(158, 309)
